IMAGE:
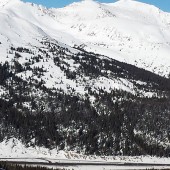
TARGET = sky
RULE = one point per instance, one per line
(162, 4)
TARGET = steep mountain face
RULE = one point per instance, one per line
(69, 77)
(127, 31)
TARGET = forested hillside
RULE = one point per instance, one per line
(94, 121)
(93, 82)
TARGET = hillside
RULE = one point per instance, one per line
(61, 88)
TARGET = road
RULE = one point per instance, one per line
(66, 163)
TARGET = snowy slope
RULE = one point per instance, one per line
(27, 25)
(15, 150)
(58, 49)
(127, 30)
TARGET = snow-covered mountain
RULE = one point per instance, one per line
(73, 78)
(127, 30)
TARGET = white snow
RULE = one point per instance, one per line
(15, 149)
(127, 31)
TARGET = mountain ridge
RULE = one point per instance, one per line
(111, 31)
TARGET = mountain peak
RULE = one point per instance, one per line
(86, 10)
(89, 1)
(133, 5)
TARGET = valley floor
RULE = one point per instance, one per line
(15, 152)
